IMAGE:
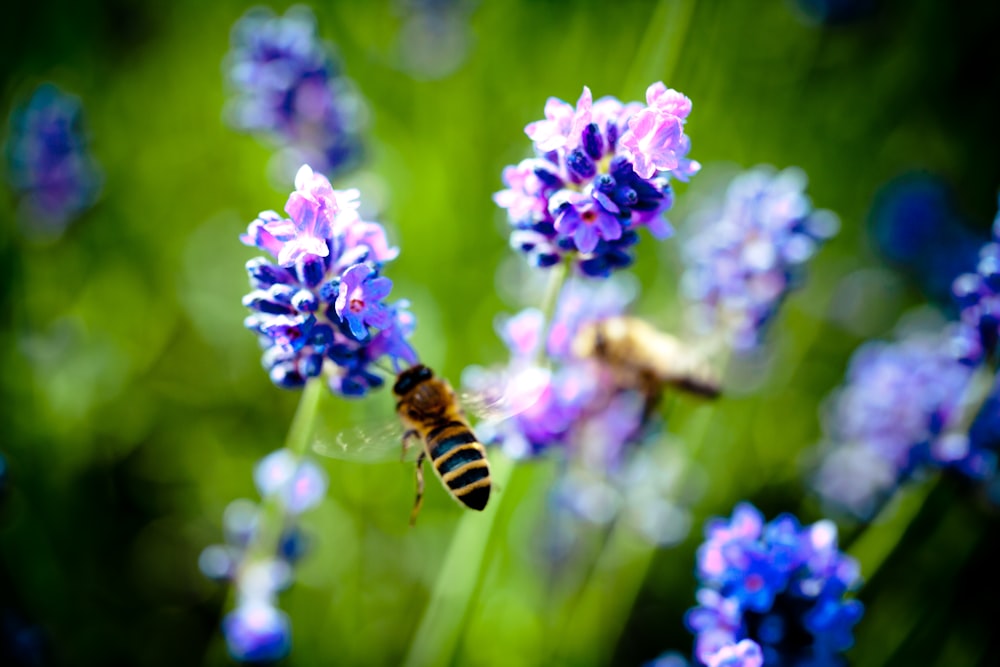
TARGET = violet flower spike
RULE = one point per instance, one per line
(582, 157)
(330, 255)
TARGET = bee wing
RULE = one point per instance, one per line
(372, 443)
(495, 394)
(685, 366)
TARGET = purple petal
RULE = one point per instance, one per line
(585, 238)
(608, 226)
(378, 316)
(377, 289)
(356, 324)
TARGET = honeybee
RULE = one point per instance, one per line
(429, 410)
(645, 359)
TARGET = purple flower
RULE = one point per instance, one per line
(901, 410)
(742, 261)
(316, 310)
(578, 395)
(587, 221)
(288, 87)
(301, 484)
(745, 654)
(563, 123)
(772, 593)
(257, 632)
(602, 171)
(359, 300)
(978, 296)
(48, 162)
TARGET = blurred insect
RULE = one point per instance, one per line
(645, 359)
(429, 410)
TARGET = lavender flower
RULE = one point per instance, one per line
(903, 409)
(289, 87)
(772, 594)
(256, 629)
(978, 297)
(579, 392)
(602, 170)
(49, 164)
(742, 263)
(320, 310)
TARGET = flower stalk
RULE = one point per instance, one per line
(272, 517)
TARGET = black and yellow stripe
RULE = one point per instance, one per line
(461, 462)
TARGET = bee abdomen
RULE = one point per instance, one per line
(459, 459)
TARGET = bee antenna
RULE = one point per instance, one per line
(385, 369)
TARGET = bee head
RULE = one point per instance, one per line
(590, 341)
(410, 378)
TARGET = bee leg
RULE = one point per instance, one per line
(420, 488)
(411, 433)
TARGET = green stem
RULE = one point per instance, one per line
(441, 626)
(557, 278)
(272, 522)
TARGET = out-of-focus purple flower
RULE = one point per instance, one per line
(602, 171)
(772, 593)
(745, 654)
(49, 164)
(904, 408)
(288, 87)
(320, 310)
(740, 264)
(579, 392)
(302, 484)
(583, 414)
(978, 296)
(257, 632)
(915, 224)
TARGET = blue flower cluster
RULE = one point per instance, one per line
(289, 87)
(48, 162)
(903, 409)
(742, 262)
(320, 311)
(772, 593)
(921, 403)
(602, 171)
(257, 630)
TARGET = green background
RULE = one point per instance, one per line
(134, 405)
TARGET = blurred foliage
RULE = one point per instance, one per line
(134, 406)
